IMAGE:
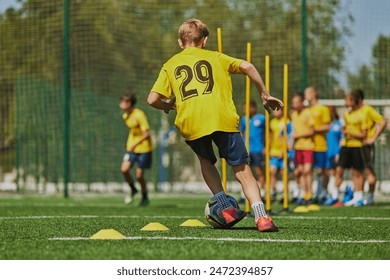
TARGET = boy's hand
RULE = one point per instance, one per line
(172, 104)
(271, 103)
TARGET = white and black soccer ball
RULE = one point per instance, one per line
(213, 212)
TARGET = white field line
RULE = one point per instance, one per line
(229, 239)
(181, 217)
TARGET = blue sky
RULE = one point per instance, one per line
(371, 19)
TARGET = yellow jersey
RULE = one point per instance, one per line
(276, 126)
(321, 116)
(354, 122)
(372, 118)
(137, 122)
(302, 123)
(201, 82)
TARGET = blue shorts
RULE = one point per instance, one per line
(143, 160)
(257, 159)
(331, 162)
(230, 147)
(278, 163)
(320, 160)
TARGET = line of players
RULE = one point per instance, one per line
(318, 140)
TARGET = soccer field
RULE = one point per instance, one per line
(54, 228)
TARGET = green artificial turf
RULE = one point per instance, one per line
(54, 228)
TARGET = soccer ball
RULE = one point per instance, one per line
(213, 212)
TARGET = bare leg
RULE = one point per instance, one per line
(308, 177)
(371, 179)
(248, 182)
(125, 168)
(140, 178)
(210, 175)
(358, 180)
(260, 176)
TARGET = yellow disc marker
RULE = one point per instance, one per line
(301, 209)
(193, 223)
(107, 234)
(313, 207)
(155, 227)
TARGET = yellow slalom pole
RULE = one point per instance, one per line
(224, 167)
(285, 141)
(267, 148)
(247, 101)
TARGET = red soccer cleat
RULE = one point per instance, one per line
(265, 224)
(232, 216)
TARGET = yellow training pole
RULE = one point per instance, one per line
(224, 167)
(285, 141)
(267, 156)
(247, 101)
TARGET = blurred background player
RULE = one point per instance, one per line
(205, 113)
(333, 140)
(139, 147)
(376, 124)
(276, 150)
(351, 154)
(321, 117)
(303, 132)
(256, 140)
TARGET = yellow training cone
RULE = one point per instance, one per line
(313, 207)
(110, 234)
(301, 209)
(154, 226)
(193, 223)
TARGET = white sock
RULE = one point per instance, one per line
(334, 193)
(258, 209)
(358, 196)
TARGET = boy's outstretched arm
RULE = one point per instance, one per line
(269, 102)
(155, 100)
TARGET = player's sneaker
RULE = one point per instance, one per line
(338, 204)
(300, 201)
(348, 195)
(265, 224)
(331, 201)
(369, 202)
(359, 203)
(350, 203)
(232, 216)
(128, 199)
(144, 202)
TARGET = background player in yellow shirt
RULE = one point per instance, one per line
(276, 149)
(321, 117)
(351, 154)
(139, 146)
(376, 124)
(200, 82)
(303, 132)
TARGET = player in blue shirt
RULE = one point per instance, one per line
(333, 138)
(256, 140)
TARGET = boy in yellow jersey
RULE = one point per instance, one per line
(321, 117)
(276, 149)
(351, 154)
(376, 124)
(303, 132)
(200, 82)
(139, 146)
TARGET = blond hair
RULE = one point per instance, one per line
(192, 31)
